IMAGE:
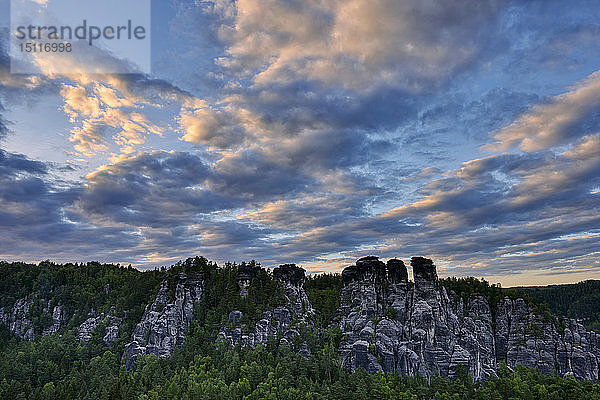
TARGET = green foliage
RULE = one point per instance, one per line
(324, 295)
(57, 367)
(390, 313)
(221, 296)
(78, 288)
(467, 287)
(534, 329)
(580, 300)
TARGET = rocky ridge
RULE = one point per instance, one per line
(90, 325)
(19, 323)
(246, 273)
(389, 325)
(524, 338)
(16, 318)
(165, 321)
(283, 322)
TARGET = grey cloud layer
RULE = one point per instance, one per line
(356, 44)
(335, 129)
(34, 214)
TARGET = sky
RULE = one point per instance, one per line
(316, 132)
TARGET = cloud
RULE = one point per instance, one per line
(145, 207)
(539, 208)
(3, 125)
(159, 189)
(213, 128)
(106, 110)
(305, 212)
(525, 203)
(331, 70)
(253, 176)
(103, 111)
(556, 122)
(16, 88)
(324, 131)
(358, 44)
(90, 137)
(101, 107)
(31, 205)
(13, 164)
(78, 102)
(424, 174)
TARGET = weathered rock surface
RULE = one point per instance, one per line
(246, 273)
(165, 321)
(17, 320)
(525, 338)
(90, 325)
(58, 319)
(388, 325)
(284, 321)
(292, 279)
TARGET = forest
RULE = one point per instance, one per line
(57, 366)
(579, 300)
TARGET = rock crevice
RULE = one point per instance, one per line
(283, 322)
(387, 325)
(166, 320)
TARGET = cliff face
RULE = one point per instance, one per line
(165, 321)
(388, 325)
(391, 326)
(16, 318)
(525, 338)
(283, 322)
(90, 325)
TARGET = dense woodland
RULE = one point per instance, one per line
(58, 367)
(579, 300)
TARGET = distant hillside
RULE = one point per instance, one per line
(580, 300)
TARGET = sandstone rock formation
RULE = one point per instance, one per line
(284, 321)
(90, 325)
(245, 275)
(58, 319)
(524, 338)
(17, 320)
(388, 325)
(165, 321)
